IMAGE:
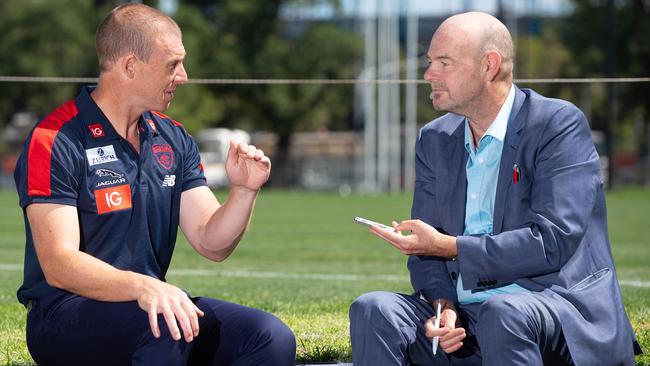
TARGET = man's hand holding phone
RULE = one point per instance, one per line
(370, 223)
(422, 239)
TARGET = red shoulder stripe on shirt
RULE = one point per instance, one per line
(162, 115)
(40, 149)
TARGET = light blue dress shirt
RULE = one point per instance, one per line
(482, 177)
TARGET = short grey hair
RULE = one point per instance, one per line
(496, 37)
(130, 28)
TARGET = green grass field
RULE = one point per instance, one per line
(305, 261)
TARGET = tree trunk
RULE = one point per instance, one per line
(281, 173)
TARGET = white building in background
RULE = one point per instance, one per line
(213, 148)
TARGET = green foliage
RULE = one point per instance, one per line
(37, 38)
(323, 51)
(195, 105)
(586, 34)
(245, 39)
(223, 39)
(544, 56)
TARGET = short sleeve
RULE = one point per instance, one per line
(47, 171)
(193, 170)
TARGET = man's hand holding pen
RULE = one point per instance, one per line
(450, 336)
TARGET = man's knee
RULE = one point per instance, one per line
(501, 313)
(273, 335)
(372, 307)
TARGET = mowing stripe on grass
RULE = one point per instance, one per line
(299, 276)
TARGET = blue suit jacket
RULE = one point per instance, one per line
(550, 227)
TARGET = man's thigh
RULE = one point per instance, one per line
(521, 328)
(388, 328)
(77, 330)
(235, 334)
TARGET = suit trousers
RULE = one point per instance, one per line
(510, 329)
(74, 330)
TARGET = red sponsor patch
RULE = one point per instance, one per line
(164, 155)
(113, 199)
(97, 130)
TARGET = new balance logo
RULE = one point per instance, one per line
(169, 181)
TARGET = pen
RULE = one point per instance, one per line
(436, 325)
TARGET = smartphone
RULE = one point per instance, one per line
(362, 221)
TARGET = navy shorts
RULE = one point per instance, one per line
(73, 330)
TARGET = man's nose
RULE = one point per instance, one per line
(181, 75)
(430, 74)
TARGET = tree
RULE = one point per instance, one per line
(223, 39)
(248, 40)
(586, 35)
(323, 51)
(38, 39)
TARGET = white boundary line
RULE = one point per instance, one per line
(634, 283)
(182, 272)
(10, 267)
(287, 275)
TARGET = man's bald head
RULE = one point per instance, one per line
(480, 33)
(131, 28)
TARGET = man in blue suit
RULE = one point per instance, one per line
(509, 228)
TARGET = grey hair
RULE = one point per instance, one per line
(130, 28)
(496, 37)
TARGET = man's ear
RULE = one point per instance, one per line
(128, 65)
(492, 65)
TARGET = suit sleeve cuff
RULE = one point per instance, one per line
(468, 249)
(432, 294)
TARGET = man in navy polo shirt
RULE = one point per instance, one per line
(104, 182)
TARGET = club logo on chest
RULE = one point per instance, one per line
(164, 155)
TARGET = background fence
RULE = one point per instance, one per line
(332, 89)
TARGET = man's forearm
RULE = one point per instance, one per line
(82, 274)
(228, 223)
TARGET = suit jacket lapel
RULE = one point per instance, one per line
(456, 181)
(515, 124)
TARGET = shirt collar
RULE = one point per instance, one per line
(498, 128)
(500, 124)
(98, 125)
(94, 117)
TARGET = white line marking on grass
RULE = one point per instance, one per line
(263, 275)
(10, 267)
(287, 275)
(634, 283)
(299, 276)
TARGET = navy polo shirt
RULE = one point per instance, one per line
(128, 203)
